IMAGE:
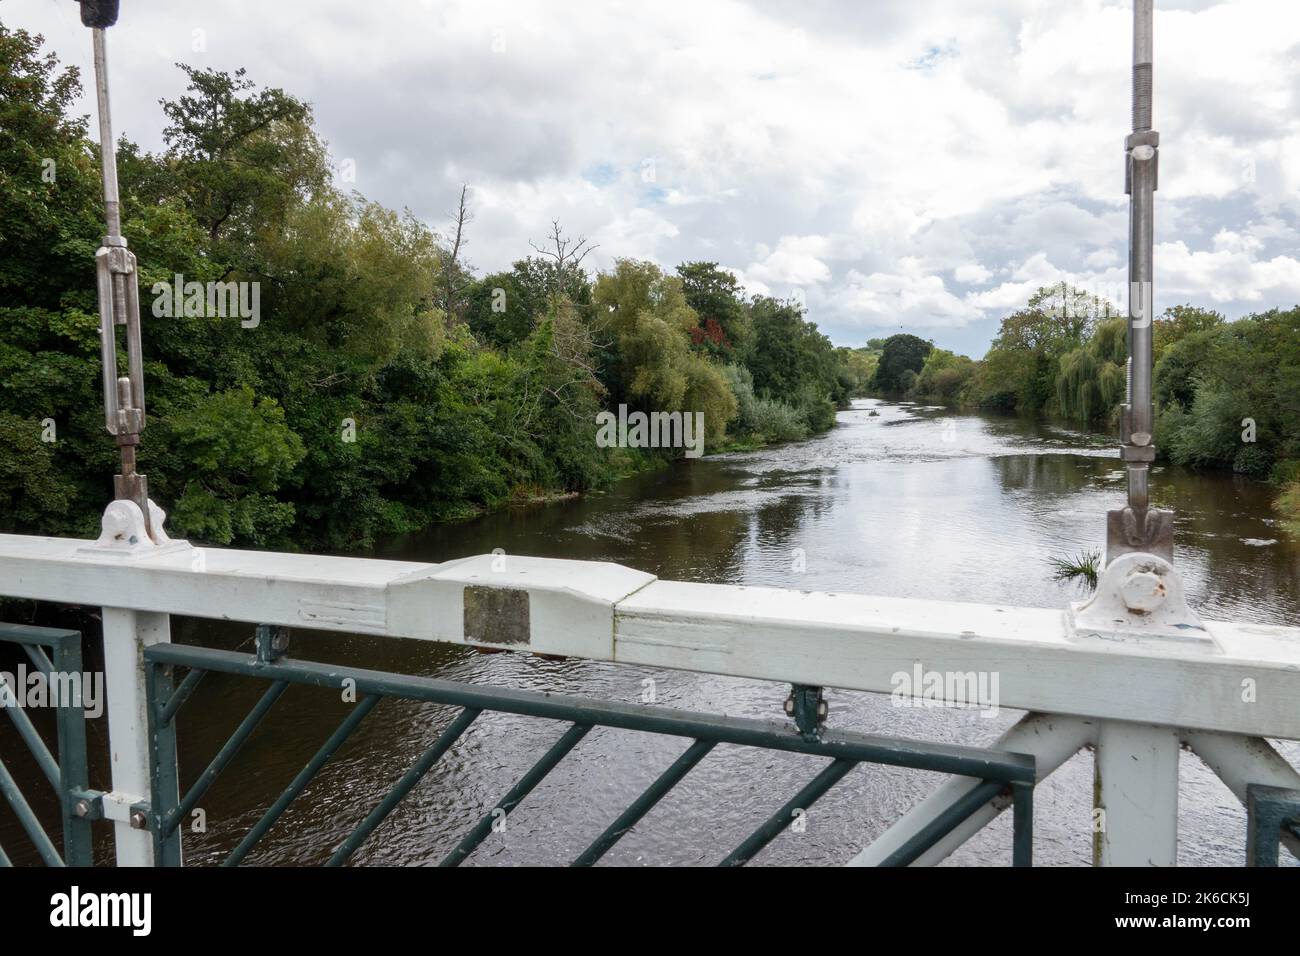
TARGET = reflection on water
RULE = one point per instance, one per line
(897, 500)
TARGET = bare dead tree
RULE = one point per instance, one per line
(455, 277)
(565, 254)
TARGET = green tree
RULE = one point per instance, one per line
(232, 452)
(1021, 368)
(716, 296)
(1178, 322)
(901, 354)
(647, 314)
(1091, 380)
(244, 159)
(943, 377)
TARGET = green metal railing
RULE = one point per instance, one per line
(69, 774)
(998, 772)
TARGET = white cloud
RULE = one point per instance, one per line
(794, 262)
(861, 152)
(910, 299)
(972, 273)
(1229, 273)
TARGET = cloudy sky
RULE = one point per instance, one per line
(899, 164)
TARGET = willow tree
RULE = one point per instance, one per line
(1090, 381)
(647, 314)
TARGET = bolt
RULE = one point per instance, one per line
(81, 808)
(138, 820)
(1143, 591)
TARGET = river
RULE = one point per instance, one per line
(896, 500)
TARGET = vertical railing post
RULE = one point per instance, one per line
(1136, 792)
(126, 635)
(164, 774)
(74, 771)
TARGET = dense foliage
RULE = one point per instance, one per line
(383, 385)
(901, 360)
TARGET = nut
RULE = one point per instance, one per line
(1143, 591)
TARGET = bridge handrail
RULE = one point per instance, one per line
(1244, 680)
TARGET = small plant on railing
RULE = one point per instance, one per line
(1085, 565)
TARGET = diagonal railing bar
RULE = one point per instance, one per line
(4, 859)
(643, 804)
(943, 824)
(223, 757)
(31, 736)
(181, 694)
(805, 798)
(527, 783)
(403, 787)
(9, 789)
(37, 656)
(305, 776)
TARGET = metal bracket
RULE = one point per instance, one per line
(272, 643)
(1139, 597)
(118, 807)
(123, 533)
(1134, 531)
(807, 705)
(88, 804)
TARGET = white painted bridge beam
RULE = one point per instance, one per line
(1136, 789)
(605, 612)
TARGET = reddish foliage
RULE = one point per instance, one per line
(710, 332)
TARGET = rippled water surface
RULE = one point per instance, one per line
(897, 500)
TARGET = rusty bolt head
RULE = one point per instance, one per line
(138, 820)
(1143, 591)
